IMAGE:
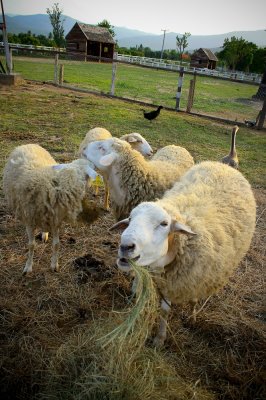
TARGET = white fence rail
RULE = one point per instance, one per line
(163, 64)
(33, 47)
(175, 66)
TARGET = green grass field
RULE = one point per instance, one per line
(33, 113)
(217, 97)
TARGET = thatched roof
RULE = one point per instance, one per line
(210, 55)
(96, 33)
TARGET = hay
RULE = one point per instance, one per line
(141, 317)
(117, 365)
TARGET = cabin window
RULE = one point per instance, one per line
(77, 46)
(105, 49)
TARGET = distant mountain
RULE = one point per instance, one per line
(37, 23)
(195, 41)
(40, 24)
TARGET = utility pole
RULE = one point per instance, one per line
(5, 39)
(164, 30)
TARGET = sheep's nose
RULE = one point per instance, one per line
(128, 248)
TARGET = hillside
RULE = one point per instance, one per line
(40, 24)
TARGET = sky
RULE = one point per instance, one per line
(199, 17)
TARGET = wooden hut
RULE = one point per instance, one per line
(203, 58)
(85, 40)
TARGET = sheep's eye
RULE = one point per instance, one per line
(164, 223)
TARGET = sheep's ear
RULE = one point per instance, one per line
(91, 173)
(132, 139)
(181, 228)
(60, 166)
(123, 224)
(107, 160)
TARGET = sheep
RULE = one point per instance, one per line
(131, 178)
(194, 237)
(44, 194)
(137, 142)
(176, 154)
(232, 159)
(135, 139)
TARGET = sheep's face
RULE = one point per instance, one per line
(102, 153)
(140, 144)
(146, 237)
(80, 165)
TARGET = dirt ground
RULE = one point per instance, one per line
(222, 352)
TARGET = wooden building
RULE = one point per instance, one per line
(203, 58)
(86, 40)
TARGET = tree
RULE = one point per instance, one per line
(55, 15)
(238, 53)
(106, 24)
(182, 44)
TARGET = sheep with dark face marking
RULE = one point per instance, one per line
(194, 237)
(44, 194)
(131, 178)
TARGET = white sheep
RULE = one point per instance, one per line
(44, 194)
(178, 155)
(131, 178)
(194, 237)
(135, 139)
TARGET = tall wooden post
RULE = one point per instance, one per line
(61, 74)
(5, 39)
(114, 68)
(56, 69)
(262, 116)
(179, 88)
(191, 93)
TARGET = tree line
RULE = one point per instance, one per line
(236, 54)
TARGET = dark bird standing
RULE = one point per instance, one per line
(252, 123)
(152, 114)
(231, 159)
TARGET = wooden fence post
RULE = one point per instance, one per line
(56, 69)
(179, 88)
(262, 116)
(191, 93)
(114, 68)
(61, 74)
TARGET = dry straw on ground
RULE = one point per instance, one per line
(112, 360)
(50, 323)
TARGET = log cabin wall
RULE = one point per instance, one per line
(203, 58)
(85, 40)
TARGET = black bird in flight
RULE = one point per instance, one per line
(152, 114)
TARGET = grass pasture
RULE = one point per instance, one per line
(225, 99)
(50, 322)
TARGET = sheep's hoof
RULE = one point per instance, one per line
(45, 236)
(158, 341)
(26, 271)
(55, 268)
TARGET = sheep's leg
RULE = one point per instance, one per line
(31, 237)
(45, 236)
(106, 195)
(96, 190)
(55, 251)
(159, 340)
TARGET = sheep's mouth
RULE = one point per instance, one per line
(124, 263)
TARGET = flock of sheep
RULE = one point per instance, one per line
(190, 224)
